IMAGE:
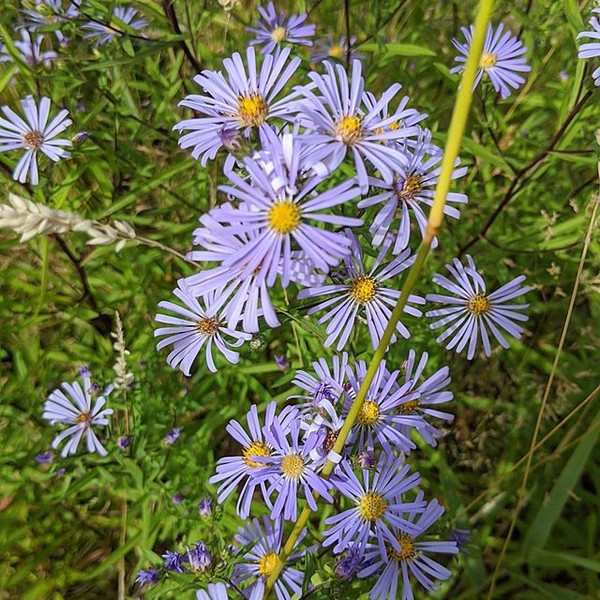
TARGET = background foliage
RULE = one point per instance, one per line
(532, 177)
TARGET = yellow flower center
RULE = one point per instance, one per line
(372, 506)
(478, 305)
(363, 289)
(487, 60)
(208, 325)
(392, 126)
(349, 129)
(278, 34)
(408, 548)
(292, 465)
(83, 417)
(369, 413)
(409, 407)
(252, 110)
(255, 449)
(411, 187)
(336, 51)
(284, 217)
(33, 140)
(267, 563)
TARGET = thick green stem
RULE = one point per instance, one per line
(455, 133)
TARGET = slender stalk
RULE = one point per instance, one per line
(455, 133)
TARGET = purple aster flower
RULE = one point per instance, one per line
(123, 443)
(471, 313)
(277, 205)
(501, 58)
(149, 576)
(244, 102)
(409, 557)
(363, 294)
(281, 361)
(232, 470)
(276, 29)
(177, 499)
(121, 15)
(365, 459)
(288, 468)
(172, 436)
(174, 561)
(591, 49)
(413, 186)
(51, 12)
(33, 135)
(429, 394)
(83, 370)
(205, 508)
(44, 458)
(199, 325)
(30, 51)
(198, 558)
(73, 405)
(347, 566)
(378, 505)
(328, 385)
(334, 48)
(381, 417)
(260, 561)
(216, 591)
(339, 123)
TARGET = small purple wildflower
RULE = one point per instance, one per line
(172, 436)
(282, 362)
(275, 30)
(378, 505)
(347, 567)
(106, 33)
(363, 293)
(123, 443)
(51, 12)
(149, 576)
(33, 135)
(198, 558)
(73, 405)
(83, 370)
(177, 499)
(261, 559)
(471, 312)
(30, 50)
(45, 458)
(365, 459)
(174, 561)
(502, 58)
(199, 324)
(205, 508)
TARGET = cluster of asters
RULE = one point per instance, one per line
(300, 160)
(382, 525)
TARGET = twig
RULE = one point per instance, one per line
(169, 11)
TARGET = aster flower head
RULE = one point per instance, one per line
(378, 505)
(591, 49)
(275, 30)
(429, 394)
(277, 208)
(198, 558)
(149, 576)
(232, 470)
(502, 58)
(381, 420)
(172, 436)
(205, 507)
(51, 12)
(403, 199)
(347, 567)
(333, 48)
(123, 443)
(121, 15)
(362, 294)
(259, 562)
(339, 123)
(216, 591)
(471, 313)
(29, 49)
(408, 558)
(44, 458)
(289, 469)
(73, 406)
(200, 323)
(32, 135)
(243, 102)
(174, 561)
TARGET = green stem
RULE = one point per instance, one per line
(455, 133)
